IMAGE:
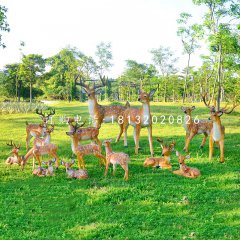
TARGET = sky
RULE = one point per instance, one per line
(133, 27)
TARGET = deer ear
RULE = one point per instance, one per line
(182, 108)
(188, 156)
(72, 161)
(193, 107)
(139, 91)
(43, 162)
(84, 91)
(62, 163)
(177, 154)
(54, 160)
(152, 92)
(220, 113)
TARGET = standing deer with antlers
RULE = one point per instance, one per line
(38, 130)
(218, 131)
(87, 133)
(192, 128)
(15, 159)
(139, 118)
(99, 113)
(83, 150)
(46, 140)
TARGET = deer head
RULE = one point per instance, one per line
(144, 97)
(107, 142)
(181, 158)
(91, 92)
(188, 110)
(166, 148)
(15, 148)
(76, 129)
(68, 165)
(45, 117)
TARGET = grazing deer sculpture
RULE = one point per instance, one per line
(79, 174)
(184, 170)
(99, 113)
(42, 172)
(139, 118)
(15, 159)
(218, 131)
(87, 133)
(192, 128)
(164, 161)
(82, 150)
(115, 158)
(38, 130)
(38, 151)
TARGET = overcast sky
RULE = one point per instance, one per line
(132, 26)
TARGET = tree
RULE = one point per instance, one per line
(222, 34)
(4, 26)
(164, 61)
(31, 68)
(190, 34)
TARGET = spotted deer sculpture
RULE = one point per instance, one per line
(184, 170)
(193, 128)
(15, 159)
(139, 118)
(38, 130)
(71, 173)
(217, 134)
(99, 113)
(82, 150)
(87, 133)
(164, 161)
(46, 140)
(115, 158)
(43, 172)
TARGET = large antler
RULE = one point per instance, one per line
(224, 110)
(212, 108)
(40, 113)
(11, 144)
(52, 112)
(103, 82)
(81, 83)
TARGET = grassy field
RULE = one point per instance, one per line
(153, 204)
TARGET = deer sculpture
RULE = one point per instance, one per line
(184, 170)
(15, 159)
(46, 140)
(83, 150)
(164, 161)
(115, 158)
(38, 151)
(192, 128)
(139, 118)
(43, 172)
(87, 133)
(99, 113)
(217, 134)
(79, 174)
(38, 130)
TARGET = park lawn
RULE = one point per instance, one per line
(153, 204)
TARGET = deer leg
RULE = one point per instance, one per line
(221, 144)
(134, 135)
(114, 169)
(98, 143)
(211, 143)
(150, 139)
(106, 169)
(120, 133)
(138, 129)
(101, 158)
(125, 128)
(54, 155)
(125, 168)
(38, 159)
(204, 140)
(28, 138)
(190, 137)
(33, 165)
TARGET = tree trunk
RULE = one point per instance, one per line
(165, 90)
(30, 91)
(219, 77)
(186, 77)
(19, 89)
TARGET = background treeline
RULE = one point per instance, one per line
(35, 77)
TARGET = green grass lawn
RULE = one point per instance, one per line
(153, 204)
